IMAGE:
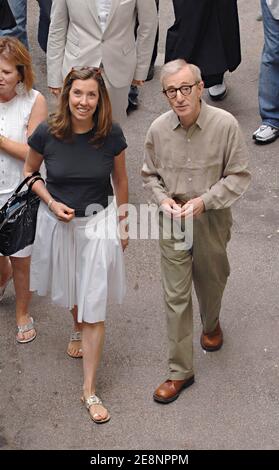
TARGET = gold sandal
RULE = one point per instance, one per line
(94, 400)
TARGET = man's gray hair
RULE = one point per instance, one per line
(175, 66)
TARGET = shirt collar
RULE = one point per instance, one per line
(200, 122)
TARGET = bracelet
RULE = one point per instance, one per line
(49, 204)
(2, 138)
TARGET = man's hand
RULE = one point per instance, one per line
(137, 82)
(170, 208)
(193, 208)
(54, 91)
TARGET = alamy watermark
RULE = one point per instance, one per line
(144, 222)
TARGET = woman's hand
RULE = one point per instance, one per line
(123, 232)
(62, 212)
(124, 243)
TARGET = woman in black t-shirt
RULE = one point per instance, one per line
(77, 254)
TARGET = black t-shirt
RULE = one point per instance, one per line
(78, 172)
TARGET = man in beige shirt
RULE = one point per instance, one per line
(196, 164)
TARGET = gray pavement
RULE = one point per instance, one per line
(234, 402)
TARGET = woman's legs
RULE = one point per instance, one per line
(5, 270)
(93, 335)
(21, 271)
(74, 346)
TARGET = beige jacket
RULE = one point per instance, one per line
(76, 38)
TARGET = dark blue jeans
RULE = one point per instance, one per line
(269, 73)
(19, 9)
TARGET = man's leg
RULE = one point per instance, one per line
(44, 22)
(19, 9)
(151, 70)
(133, 100)
(119, 101)
(210, 264)
(269, 79)
(134, 91)
(176, 266)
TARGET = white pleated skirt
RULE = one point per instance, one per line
(79, 263)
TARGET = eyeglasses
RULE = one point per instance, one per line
(185, 90)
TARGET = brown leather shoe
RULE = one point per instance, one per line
(171, 389)
(212, 341)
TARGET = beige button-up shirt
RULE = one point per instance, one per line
(209, 160)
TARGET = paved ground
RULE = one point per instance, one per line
(234, 402)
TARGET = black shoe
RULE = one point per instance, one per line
(133, 99)
(132, 106)
(150, 74)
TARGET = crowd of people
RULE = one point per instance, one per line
(98, 53)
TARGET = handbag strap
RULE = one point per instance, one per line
(37, 178)
(28, 178)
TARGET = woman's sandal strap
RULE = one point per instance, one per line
(75, 336)
(25, 328)
(92, 400)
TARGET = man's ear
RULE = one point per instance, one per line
(201, 87)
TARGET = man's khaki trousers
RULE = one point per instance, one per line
(206, 264)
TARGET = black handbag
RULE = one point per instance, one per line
(18, 218)
(7, 19)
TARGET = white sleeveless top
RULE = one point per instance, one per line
(14, 118)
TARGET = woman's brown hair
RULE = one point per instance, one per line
(61, 123)
(12, 50)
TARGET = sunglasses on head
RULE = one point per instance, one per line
(79, 68)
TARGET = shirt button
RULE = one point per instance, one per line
(188, 140)
(189, 179)
(189, 159)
